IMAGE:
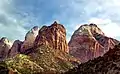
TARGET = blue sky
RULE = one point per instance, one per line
(19, 16)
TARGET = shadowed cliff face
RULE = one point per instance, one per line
(109, 63)
(15, 49)
(53, 36)
(89, 42)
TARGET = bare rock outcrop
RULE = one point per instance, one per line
(29, 39)
(89, 42)
(5, 45)
(53, 36)
(15, 49)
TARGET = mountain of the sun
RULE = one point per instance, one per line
(46, 51)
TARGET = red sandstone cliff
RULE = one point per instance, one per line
(89, 42)
(53, 36)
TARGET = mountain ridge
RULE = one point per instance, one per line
(44, 53)
(47, 49)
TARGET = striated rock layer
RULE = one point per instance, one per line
(53, 36)
(107, 64)
(89, 42)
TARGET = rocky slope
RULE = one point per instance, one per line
(53, 36)
(44, 60)
(107, 64)
(89, 42)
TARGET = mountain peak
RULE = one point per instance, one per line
(5, 45)
(35, 28)
(89, 29)
(92, 24)
(55, 22)
(53, 36)
(30, 38)
(57, 25)
(6, 41)
(89, 42)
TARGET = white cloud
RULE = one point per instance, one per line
(105, 13)
(99, 21)
(110, 28)
(10, 26)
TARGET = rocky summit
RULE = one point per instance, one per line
(89, 42)
(5, 45)
(29, 39)
(53, 36)
(107, 64)
(22, 46)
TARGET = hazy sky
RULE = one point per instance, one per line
(18, 16)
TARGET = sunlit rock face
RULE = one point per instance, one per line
(89, 42)
(109, 63)
(30, 38)
(5, 45)
(53, 36)
(89, 30)
(15, 49)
